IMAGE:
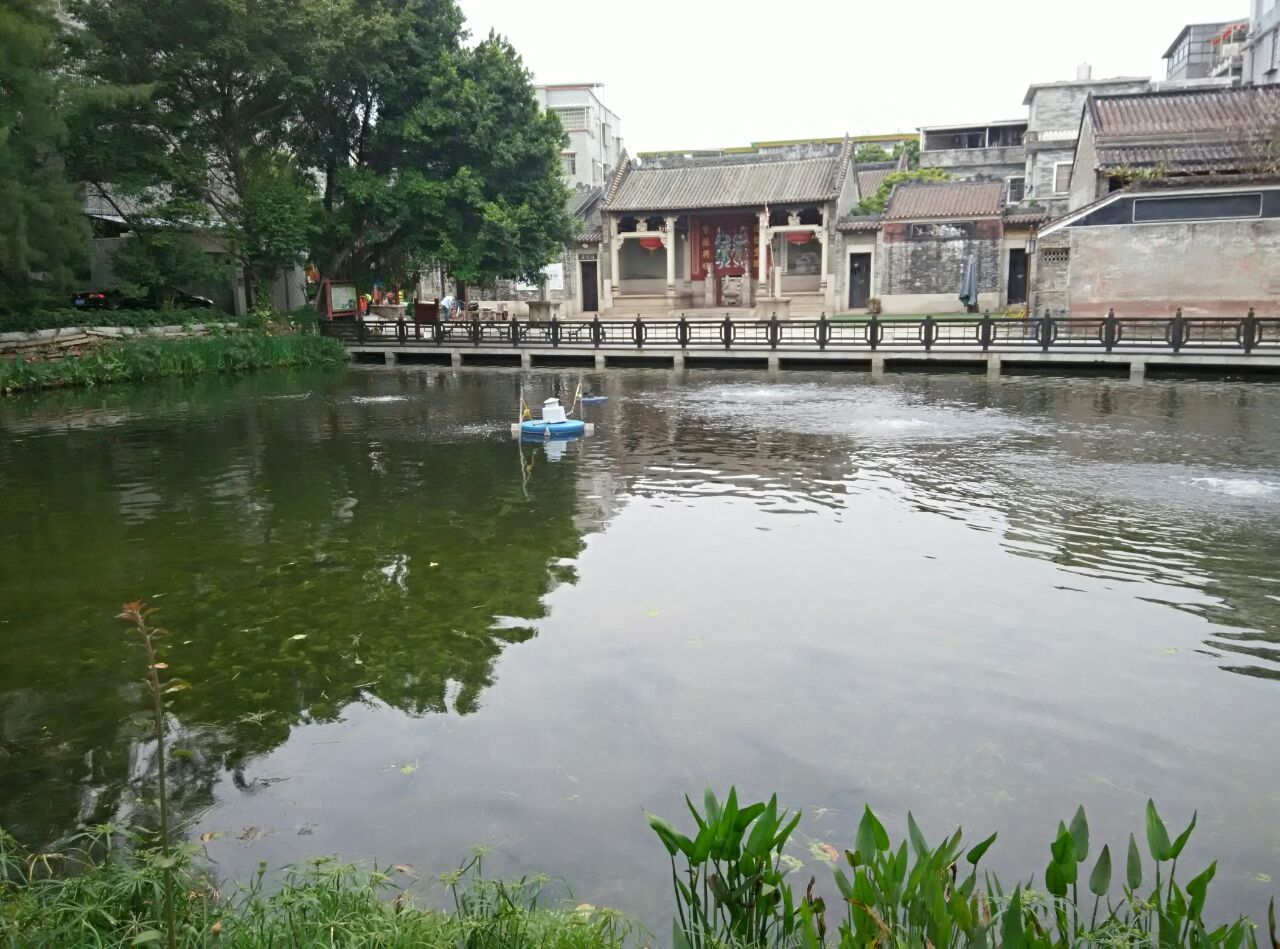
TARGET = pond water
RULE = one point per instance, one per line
(407, 634)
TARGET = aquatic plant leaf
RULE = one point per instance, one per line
(1133, 866)
(146, 937)
(1157, 836)
(1055, 880)
(1080, 834)
(1100, 878)
(975, 854)
(1198, 888)
(918, 840)
(1176, 850)
(872, 837)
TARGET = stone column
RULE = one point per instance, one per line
(669, 238)
(615, 272)
(764, 251)
(821, 235)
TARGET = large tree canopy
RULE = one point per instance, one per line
(365, 132)
(44, 233)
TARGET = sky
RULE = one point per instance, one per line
(706, 73)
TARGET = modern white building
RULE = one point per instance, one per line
(1262, 47)
(595, 132)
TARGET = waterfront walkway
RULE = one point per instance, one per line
(1248, 342)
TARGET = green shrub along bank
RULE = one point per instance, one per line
(25, 321)
(139, 360)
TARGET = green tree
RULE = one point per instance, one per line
(153, 261)
(912, 148)
(44, 233)
(506, 206)
(220, 78)
(870, 152)
(875, 203)
(434, 155)
(380, 167)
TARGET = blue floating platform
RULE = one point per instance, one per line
(594, 399)
(571, 428)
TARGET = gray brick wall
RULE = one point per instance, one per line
(937, 266)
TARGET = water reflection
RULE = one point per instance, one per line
(984, 602)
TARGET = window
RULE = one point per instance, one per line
(1203, 207)
(571, 117)
(570, 162)
(1055, 255)
(1062, 177)
(1017, 189)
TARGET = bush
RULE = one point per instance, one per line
(139, 360)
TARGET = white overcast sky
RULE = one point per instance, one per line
(706, 73)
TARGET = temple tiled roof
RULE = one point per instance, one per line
(860, 224)
(945, 199)
(871, 174)
(727, 182)
(584, 208)
(1217, 112)
(1187, 131)
(1025, 218)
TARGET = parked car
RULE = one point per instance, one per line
(115, 300)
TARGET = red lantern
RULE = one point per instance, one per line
(651, 243)
(799, 237)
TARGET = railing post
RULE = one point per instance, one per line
(555, 331)
(774, 332)
(437, 332)
(597, 331)
(824, 330)
(637, 332)
(1109, 330)
(726, 332)
(1046, 331)
(402, 331)
(984, 332)
(682, 332)
(1177, 330)
(873, 331)
(359, 329)
(474, 330)
(927, 331)
(513, 331)
(1249, 331)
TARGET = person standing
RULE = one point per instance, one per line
(447, 306)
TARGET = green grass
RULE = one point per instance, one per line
(143, 359)
(107, 890)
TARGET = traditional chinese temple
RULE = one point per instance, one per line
(706, 234)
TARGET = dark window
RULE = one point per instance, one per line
(1205, 207)
(1017, 189)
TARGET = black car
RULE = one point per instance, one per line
(115, 300)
